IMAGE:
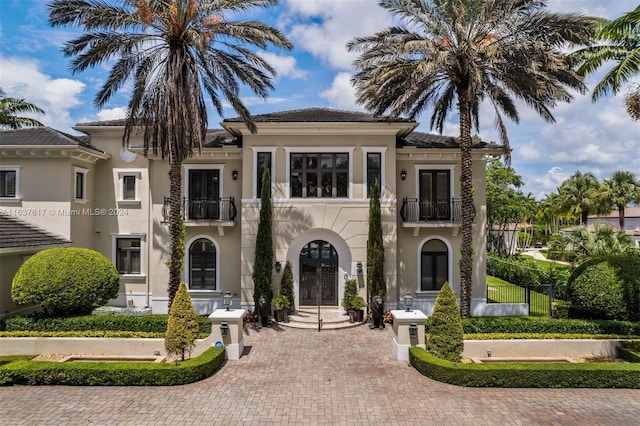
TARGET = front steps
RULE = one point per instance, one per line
(307, 317)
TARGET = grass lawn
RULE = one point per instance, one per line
(547, 264)
(500, 291)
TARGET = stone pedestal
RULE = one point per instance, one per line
(234, 339)
(402, 338)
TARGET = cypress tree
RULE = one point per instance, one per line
(375, 247)
(182, 327)
(286, 286)
(263, 262)
(445, 336)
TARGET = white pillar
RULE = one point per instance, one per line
(402, 338)
(232, 321)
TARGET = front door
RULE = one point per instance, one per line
(318, 274)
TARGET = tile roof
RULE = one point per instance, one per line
(16, 233)
(429, 140)
(629, 212)
(43, 136)
(318, 115)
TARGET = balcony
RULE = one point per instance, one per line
(219, 212)
(419, 213)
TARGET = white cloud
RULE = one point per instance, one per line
(547, 183)
(529, 152)
(112, 113)
(285, 66)
(323, 28)
(341, 94)
(22, 78)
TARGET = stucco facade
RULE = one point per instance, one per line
(322, 163)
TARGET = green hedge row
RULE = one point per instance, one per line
(87, 333)
(537, 325)
(146, 323)
(25, 372)
(523, 271)
(628, 354)
(514, 336)
(527, 375)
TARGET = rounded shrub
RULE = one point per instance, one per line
(66, 281)
(607, 288)
(445, 337)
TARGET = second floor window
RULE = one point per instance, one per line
(263, 162)
(374, 171)
(8, 183)
(321, 175)
(80, 192)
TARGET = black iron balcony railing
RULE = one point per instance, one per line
(223, 209)
(419, 210)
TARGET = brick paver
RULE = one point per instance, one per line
(292, 377)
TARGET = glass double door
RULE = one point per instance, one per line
(318, 274)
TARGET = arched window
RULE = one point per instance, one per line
(434, 266)
(202, 265)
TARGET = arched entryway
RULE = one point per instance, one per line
(318, 274)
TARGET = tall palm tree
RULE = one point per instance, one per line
(173, 51)
(581, 194)
(11, 107)
(457, 53)
(602, 241)
(620, 190)
(621, 44)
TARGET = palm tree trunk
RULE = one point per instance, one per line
(176, 228)
(467, 203)
(621, 217)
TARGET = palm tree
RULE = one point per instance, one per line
(621, 44)
(172, 50)
(458, 53)
(602, 241)
(11, 107)
(621, 189)
(581, 194)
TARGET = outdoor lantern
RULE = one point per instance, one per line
(413, 329)
(488, 353)
(278, 266)
(408, 301)
(227, 298)
(234, 175)
(224, 328)
(359, 267)
(403, 175)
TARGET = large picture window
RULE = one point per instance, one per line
(321, 175)
(434, 259)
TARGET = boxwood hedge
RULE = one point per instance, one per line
(25, 372)
(527, 375)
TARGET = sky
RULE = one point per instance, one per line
(590, 137)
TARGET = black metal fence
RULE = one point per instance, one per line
(204, 208)
(539, 297)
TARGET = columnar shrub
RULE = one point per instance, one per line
(445, 336)
(286, 286)
(350, 292)
(182, 327)
(607, 288)
(263, 261)
(66, 281)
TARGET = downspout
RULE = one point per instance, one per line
(149, 233)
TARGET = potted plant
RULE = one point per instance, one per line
(281, 303)
(357, 305)
(350, 291)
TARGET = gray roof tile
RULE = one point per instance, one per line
(43, 136)
(318, 115)
(16, 233)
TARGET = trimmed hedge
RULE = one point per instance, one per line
(548, 336)
(536, 325)
(527, 375)
(85, 333)
(25, 372)
(156, 324)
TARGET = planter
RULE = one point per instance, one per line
(358, 315)
(279, 315)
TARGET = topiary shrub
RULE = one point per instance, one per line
(445, 336)
(182, 327)
(66, 281)
(606, 288)
(286, 286)
(350, 291)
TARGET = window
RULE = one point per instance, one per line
(202, 265)
(129, 182)
(128, 256)
(374, 171)
(263, 161)
(203, 201)
(80, 192)
(8, 183)
(434, 265)
(435, 194)
(322, 175)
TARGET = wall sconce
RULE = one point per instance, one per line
(403, 175)
(408, 301)
(227, 299)
(359, 267)
(224, 328)
(278, 267)
(413, 329)
(488, 353)
(234, 175)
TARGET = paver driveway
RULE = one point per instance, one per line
(295, 376)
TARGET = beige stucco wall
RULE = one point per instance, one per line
(9, 265)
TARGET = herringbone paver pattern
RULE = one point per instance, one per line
(292, 377)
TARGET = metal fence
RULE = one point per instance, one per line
(539, 297)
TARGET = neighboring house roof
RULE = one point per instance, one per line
(43, 136)
(590, 227)
(318, 115)
(629, 212)
(14, 233)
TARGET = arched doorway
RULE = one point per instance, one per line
(318, 274)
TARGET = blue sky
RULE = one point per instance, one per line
(597, 137)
